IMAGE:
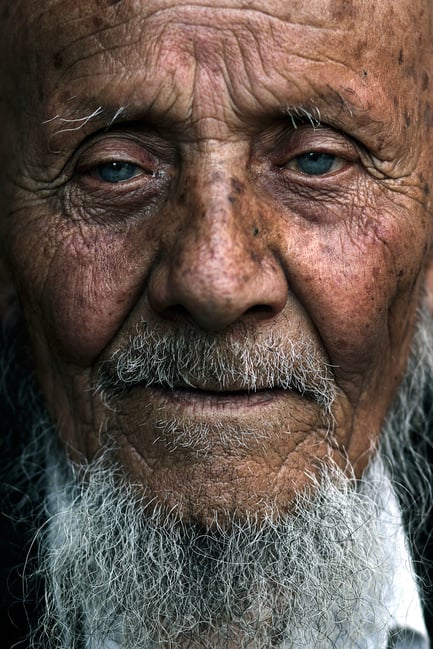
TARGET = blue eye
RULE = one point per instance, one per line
(315, 163)
(117, 171)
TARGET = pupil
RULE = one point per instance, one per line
(315, 163)
(116, 171)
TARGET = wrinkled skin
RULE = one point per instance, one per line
(219, 226)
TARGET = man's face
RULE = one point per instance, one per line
(237, 184)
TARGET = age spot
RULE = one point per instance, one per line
(237, 186)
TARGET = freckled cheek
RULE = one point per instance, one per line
(88, 292)
(349, 292)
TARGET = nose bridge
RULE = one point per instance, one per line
(218, 220)
(216, 267)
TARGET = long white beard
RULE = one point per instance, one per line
(138, 576)
(118, 569)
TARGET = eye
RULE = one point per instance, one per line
(316, 163)
(117, 171)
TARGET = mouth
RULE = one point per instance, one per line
(216, 398)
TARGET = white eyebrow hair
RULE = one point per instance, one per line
(76, 123)
(119, 112)
(297, 113)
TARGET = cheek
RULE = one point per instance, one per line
(84, 287)
(351, 284)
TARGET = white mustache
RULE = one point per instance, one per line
(187, 357)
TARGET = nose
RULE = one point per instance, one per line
(219, 268)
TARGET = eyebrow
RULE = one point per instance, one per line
(300, 114)
(342, 109)
(76, 123)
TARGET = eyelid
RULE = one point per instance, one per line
(116, 149)
(311, 139)
(322, 140)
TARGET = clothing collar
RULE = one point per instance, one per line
(407, 628)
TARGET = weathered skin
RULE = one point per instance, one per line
(220, 226)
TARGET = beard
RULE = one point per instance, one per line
(120, 569)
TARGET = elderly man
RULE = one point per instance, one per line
(216, 219)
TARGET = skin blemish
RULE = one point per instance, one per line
(216, 177)
(400, 57)
(425, 81)
(345, 8)
(255, 231)
(410, 72)
(237, 186)
(407, 119)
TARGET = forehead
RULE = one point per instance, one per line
(201, 61)
(199, 27)
(125, 28)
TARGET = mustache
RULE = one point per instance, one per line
(242, 360)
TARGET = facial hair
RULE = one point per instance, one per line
(122, 570)
(229, 361)
(119, 568)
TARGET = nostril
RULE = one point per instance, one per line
(260, 310)
(176, 312)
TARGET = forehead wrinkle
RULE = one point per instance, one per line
(187, 16)
(239, 48)
(283, 11)
(207, 14)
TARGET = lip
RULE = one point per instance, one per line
(215, 399)
(197, 419)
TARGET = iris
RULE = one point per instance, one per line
(315, 163)
(117, 171)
